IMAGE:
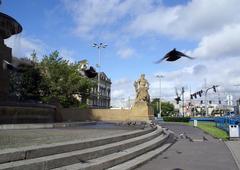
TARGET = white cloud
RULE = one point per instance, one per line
(67, 54)
(122, 89)
(221, 72)
(211, 22)
(118, 93)
(197, 18)
(224, 43)
(158, 21)
(95, 16)
(24, 46)
(126, 52)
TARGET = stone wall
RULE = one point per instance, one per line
(76, 114)
(138, 113)
(37, 114)
(14, 115)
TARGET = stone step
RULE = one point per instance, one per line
(116, 158)
(68, 158)
(45, 125)
(140, 160)
(10, 155)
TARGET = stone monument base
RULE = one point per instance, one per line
(15, 113)
(142, 111)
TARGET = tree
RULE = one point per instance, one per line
(155, 105)
(52, 77)
(63, 80)
(25, 84)
(167, 108)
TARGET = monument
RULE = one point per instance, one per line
(142, 109)
(141, 88)
(8, 27)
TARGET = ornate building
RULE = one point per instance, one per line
(104, 95)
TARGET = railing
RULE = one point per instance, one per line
(224, 122)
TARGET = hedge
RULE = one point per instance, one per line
(176, 119)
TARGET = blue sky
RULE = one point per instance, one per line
(137, 32)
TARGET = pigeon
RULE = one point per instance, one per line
(91, 72)
(152, 125)
(181, 136)
(85, 70)
(173, 56)
(204, 138)
(129, 123)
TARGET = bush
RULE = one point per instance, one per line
(176, 119)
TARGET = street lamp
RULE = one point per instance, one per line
(99, 46)
(160, 109)
(205, 95)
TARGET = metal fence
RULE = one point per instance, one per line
(224, 122)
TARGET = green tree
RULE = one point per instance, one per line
(155, 105)
(52, 77)
(63, 80)
(167, 108)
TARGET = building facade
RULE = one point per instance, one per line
(103, 101)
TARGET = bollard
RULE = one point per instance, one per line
(195, 123)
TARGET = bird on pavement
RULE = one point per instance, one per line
(173, 56)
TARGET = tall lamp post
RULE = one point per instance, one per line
(160, 109)
(99, 46)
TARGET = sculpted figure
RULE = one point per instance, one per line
(141, 87)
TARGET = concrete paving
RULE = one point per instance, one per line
(234, 147)
(194, 150)
(35, 137)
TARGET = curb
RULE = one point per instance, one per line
(234, 155)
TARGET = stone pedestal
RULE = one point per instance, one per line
(142, 111)
(5, 54)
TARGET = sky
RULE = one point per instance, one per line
(138, 32)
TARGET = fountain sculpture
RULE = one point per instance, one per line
(10, 111)
(8, 27)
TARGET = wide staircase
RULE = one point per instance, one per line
(122, 151)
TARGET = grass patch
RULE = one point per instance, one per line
(211, 129)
